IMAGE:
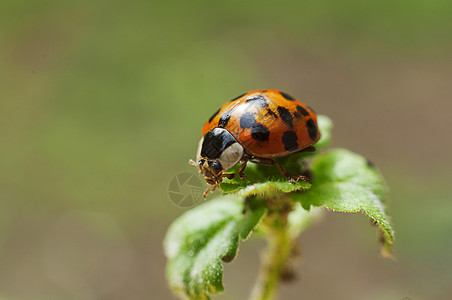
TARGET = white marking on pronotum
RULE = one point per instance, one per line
(231, 156)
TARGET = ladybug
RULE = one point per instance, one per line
(257, 126)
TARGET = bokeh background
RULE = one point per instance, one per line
(102, 103)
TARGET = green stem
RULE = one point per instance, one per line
(279, 247)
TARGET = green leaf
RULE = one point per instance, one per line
(201, 238)
(325, 126)
(269, 188)
(346, 182)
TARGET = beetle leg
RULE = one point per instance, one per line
(216, 186)
(269, 161)
(207, 191)
(242, 168)
(228, 175)
(293, 178)
(212, 188)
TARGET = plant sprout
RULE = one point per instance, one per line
(200, 241)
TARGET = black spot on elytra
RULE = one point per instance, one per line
(312, 129)
(287, 96)
(272, 113)
(224, 119)
(290, 140)
(302, 111)
(258, 100)
(285, 116)
(247, 120)
(238, 97)
(260, 132)
(214, 115)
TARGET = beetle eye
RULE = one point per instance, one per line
(215, 166)
(200, 162)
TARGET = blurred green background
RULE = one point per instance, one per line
(102, 103)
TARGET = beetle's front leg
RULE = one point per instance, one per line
(228, 175)
(242, 168)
